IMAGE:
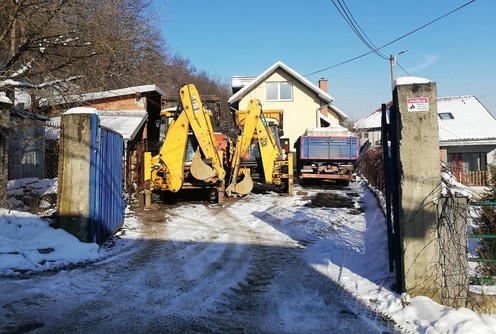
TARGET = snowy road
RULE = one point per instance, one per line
(242, 268)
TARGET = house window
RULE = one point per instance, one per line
(468, 161)
(445, 115)
(279, 91)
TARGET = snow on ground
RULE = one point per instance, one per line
(347, 246)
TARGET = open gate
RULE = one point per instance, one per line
(106, 200)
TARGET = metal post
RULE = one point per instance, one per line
(5, 105)
(386, 160)
(392, 62)
(395, 198)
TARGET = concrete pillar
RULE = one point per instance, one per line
(415, 101)
(74, 173)
(4, 154)
(452, 241)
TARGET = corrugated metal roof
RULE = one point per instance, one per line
(125, 122)
(102, 95)
(120, 92)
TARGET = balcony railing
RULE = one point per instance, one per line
(476, 178)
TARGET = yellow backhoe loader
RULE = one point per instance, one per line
(188, 131)
(258, 155)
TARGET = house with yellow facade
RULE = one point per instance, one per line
(304, 105)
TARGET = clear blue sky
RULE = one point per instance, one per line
(245, 37)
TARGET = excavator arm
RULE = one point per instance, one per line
(167, 168)
(165, 171)
(255, 127)
(199, 120)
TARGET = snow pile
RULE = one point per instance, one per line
(410, 81)
(331, 130)
(81, 110)
(451, 187)
(28, 243)
(32, 194)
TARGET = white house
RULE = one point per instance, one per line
(467, 132)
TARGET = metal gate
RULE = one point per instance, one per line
(483, 238)
(389, 142)
(106, 200)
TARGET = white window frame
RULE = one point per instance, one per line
(278, 85)
(445, 116)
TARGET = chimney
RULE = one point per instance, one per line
(323, 84)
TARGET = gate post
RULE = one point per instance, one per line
(416, 148)
(5, 105)
(78, 131)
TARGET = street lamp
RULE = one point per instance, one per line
(392, 62)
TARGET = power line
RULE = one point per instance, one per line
(490, 94)
(393, 41)
(357, 29)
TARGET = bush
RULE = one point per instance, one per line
(371, 167)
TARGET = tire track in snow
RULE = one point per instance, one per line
(211, 260)
(220, 270)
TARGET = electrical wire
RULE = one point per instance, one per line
(490, 94)
(393, 41)
(357, 29)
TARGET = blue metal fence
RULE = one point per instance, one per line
(106, 200)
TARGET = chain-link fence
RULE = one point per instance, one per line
(30, 150)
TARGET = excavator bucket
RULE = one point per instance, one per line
(200, 170)
(240, 188)
(245, 186)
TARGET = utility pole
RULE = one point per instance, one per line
(392, 62)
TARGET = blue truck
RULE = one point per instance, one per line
(327, 154)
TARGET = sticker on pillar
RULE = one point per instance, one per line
(418, 104)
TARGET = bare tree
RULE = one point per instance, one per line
(40, 41)
(75, 45)
(57, 48)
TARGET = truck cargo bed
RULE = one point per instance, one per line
(327, 157)
(328, 148)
